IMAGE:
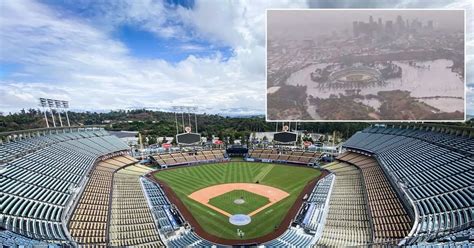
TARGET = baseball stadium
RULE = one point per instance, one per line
(362, 74)
(341, 76)
(386, 185)
(191, 123)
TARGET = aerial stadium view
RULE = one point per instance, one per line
(405, 64)
(142, 124)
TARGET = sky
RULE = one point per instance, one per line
(112, 54)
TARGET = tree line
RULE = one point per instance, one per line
(163, 124)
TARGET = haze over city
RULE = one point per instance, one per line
(369, 65)
(324, 22)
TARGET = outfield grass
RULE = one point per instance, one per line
(186, 180)
(226, 202)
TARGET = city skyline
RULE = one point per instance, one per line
(305, 20)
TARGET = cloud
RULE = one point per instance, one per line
(192, 47)
(73, 60)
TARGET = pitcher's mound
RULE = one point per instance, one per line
(240, 219)
(239, 201)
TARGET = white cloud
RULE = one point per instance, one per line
(81, 63)
(192, 47)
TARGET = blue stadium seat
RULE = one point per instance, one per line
(435, 169)
(42, 175)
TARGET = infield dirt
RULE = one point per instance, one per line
(273, 194)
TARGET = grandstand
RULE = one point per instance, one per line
(294, 157)
(430, 169)
(347, 222)
(163, 212)
(294, 237)
(89, 221)
(318, 206)
(184, 158)
(79, 178)
(394, 185)
(131, 221)
(390, 220)
(43, 173)
(11, 239)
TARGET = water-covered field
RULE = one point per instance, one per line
(427, 79)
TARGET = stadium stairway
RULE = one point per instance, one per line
(131, 221)
(160, 207)
(390, 220)
(347, 222)
(89, 223)
(318, 202)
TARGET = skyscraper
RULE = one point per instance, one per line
(400, 23)
(430, 25)
(389, 26)
(355, 28)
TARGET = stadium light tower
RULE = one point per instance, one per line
(175, 110)
(65, 105)
(58, 105)
(195, 109)
(185, 109)
(44, 105)
(51, 106)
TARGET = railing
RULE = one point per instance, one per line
(402, 193)
(366, 200)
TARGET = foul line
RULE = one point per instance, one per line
(264, 172)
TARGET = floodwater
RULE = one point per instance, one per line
(370, 102)
(428, 79)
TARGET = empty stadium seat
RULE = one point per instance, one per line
(389, 218)
(179, 158)
(88, 224)
(42, 176)
(131, 221)
(434, 169)
(347, 222)
(293, 237)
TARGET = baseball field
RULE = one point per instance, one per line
(213, 193)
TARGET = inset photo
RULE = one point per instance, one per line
(365, 65)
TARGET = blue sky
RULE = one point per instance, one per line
(141, 42)
(144, 44)
(113, 54)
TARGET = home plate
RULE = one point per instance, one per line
(240, 219)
